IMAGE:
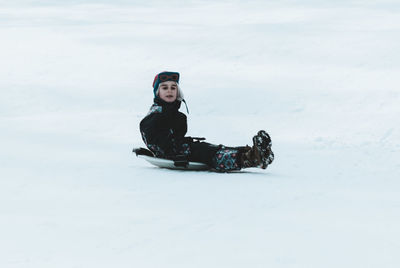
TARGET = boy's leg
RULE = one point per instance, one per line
(224, 158)
(219, 157)
(202, 152)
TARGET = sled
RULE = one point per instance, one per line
(167, 163)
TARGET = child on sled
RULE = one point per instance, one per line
(164, 127)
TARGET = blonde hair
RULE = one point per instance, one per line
(179, 95)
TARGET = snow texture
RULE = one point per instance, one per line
(322, 77)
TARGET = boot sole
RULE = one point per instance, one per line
(262, 141)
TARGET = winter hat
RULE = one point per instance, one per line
(162, 77)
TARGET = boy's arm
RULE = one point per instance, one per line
(156, 135)
(181, 127)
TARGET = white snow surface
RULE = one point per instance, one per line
(322, 77)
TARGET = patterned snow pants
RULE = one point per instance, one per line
(218, 157)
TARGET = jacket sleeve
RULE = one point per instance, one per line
(156, 134)
(180, 127)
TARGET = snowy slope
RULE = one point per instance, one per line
(320, 76)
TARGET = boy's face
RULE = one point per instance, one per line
(168, 91)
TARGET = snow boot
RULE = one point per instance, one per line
(260, 154)
(249, 157)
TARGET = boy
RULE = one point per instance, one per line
(164, 127)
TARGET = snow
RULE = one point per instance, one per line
(320, 76)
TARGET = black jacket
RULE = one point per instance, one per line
(163, 129)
